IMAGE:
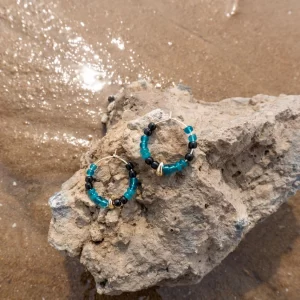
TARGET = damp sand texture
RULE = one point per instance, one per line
(60, 60)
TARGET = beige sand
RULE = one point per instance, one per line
(49, 105)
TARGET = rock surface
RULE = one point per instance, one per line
(179, 228)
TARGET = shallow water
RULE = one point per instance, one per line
(59, 60)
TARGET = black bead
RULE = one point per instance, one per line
(123, 200)
(192, 145)
(149, 160)
(117, 202)
(111, 99)
(189, 156)
(152, 126)
(129, 166)
(88, 186)
(147, 131)
(155, 165)
(132, 173)
(89, 179)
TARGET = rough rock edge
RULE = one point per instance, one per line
(179, 228)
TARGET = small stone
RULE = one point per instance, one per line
(97, 232)
(111, 106)
(104, 118)
(124, 234)
(111, 98)
(112, 217)
(252, 102)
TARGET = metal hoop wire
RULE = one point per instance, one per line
(176, 120)
(123, 160)
(111, 157)
(110, 205)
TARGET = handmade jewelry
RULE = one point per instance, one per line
(108, 203)
(160, 167)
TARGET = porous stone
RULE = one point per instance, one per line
(178, 228)
(112, 217)
(96, 232)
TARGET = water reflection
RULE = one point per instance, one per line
(50, 42)
(91, 79)
(59, 61)
(119, 42)
(232, 7)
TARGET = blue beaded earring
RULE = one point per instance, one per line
(168, 169)
(108, 203)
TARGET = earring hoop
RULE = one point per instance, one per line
(168, 169)
(108, 203)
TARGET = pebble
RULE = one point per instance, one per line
(104, 118)
(111, 99)
(111, 106)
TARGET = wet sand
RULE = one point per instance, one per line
(60, 60)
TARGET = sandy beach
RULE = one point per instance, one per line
(60, 60)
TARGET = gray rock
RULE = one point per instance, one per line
(179, 228)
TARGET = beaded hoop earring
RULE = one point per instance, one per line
(108, 203)
(168, 169)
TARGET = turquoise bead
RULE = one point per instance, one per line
(92, 191)
(90, 172)
(98, 200)
(193, 138)
(169, 169)
(101, 202)
(144, 139)
(93, 167)
(181, 164)
(143, 145)
(133, 183)
(129, 194)
(184, 163)
(92, 194)
(188, 129)
(176, 167)
(145, 153)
